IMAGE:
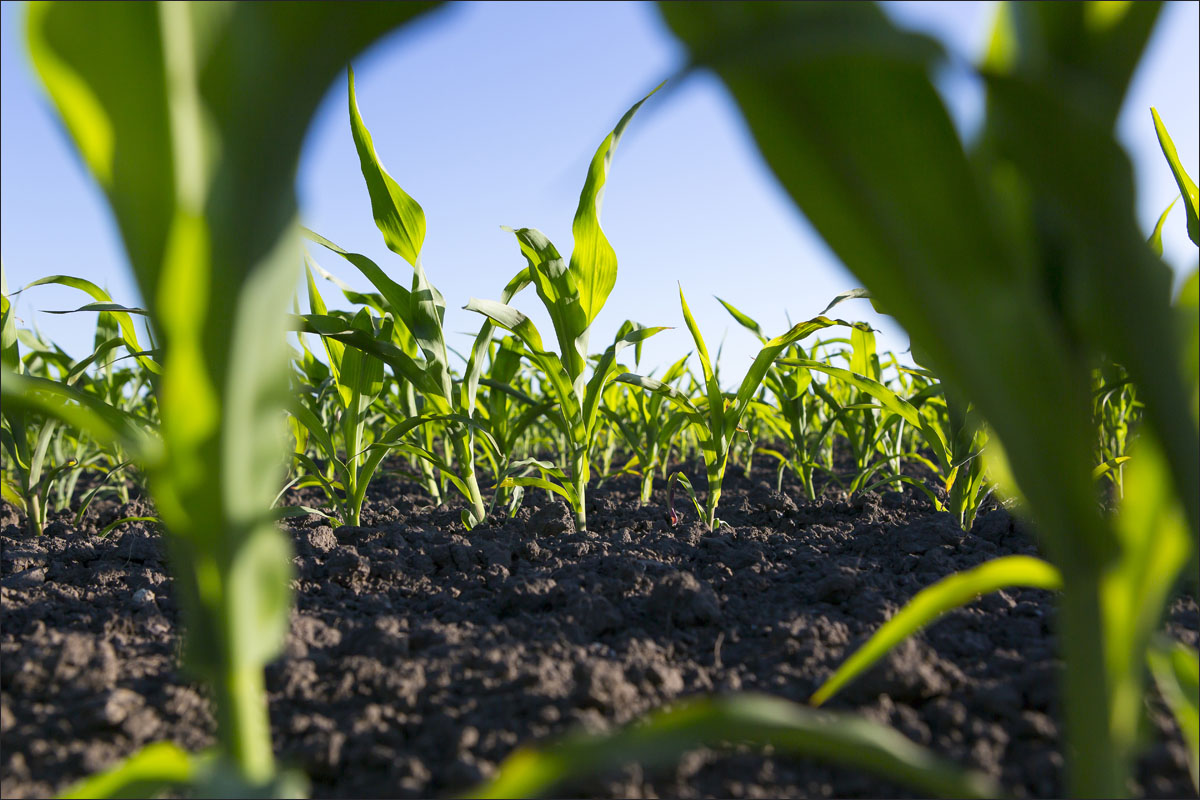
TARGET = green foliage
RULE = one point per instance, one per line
(159, 101)
(1059, 275)
(573, 294)
(646, 429)
(714, 419)
(1176, 671)
(666, 735)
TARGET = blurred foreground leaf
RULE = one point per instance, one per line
(664, 736)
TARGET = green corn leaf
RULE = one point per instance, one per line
(209, 225)
(400, 362)
(12, 494)
(863, 359)
(933, 601)
(104, 307)
(514, 321)
(913, 482)
(544, 467)
(402, 223)
(154, 769)
(539, 411)
(1176, 671)
(316, 304)
(10, 356)
(602, 373)
(1107, 466)
(675, 370)
(470, 383)
(563, 490)
(419, 310)
(558, 287)
(686, 483)
(1156, 544)
(398, 298)
(90, 496)
(712, 388)
(361, 377)
(510, 319)
(672, 394)
(104, 303)
(447, 470)
(314, 477)
(850, 294)
(1155, 240)
(889, 399)
(743, 320)
(503, 387)
(110, 527)
(1186, 311)
(632, 436)
(1187, 187)
(301, 410)
(593, 262)
(1113, 291)
(754, 719)
(81, 411)
(762, 363)
(905, 212)
(393, 434)
(102, 355)
(398, 217)
(18, 453)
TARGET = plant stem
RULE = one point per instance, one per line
(716, 477)
(466, 461)
(1097, 767)
(647, 486)
(579, 476)
(243, 724)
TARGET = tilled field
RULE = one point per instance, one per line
(420, 655)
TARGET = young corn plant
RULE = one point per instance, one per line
(646, 428)
(714, 419)
(799, 416)
(1041, 208)
(47, 456)
(357, 380)
(348, 435)
(420, 309)
(878, 437)
(573, 294)
(209, 225)
(1116, 411)
(399, 400)
(508, 410)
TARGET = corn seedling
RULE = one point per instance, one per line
(209, 227)
(1013, 269)
(420, 309)
(46, 456)
(645, 427)
(573, 294)
(713, 419)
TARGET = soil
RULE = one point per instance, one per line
(421, 654)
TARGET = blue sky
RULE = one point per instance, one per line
(488, 114)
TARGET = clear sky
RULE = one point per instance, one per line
(488, 113)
